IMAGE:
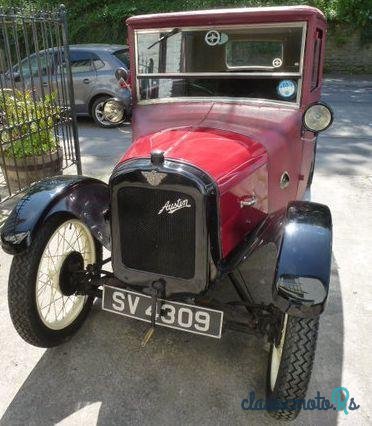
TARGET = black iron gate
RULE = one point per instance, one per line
(38, 130)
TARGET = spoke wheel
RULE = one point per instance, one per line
(57, 307)
(43, 304)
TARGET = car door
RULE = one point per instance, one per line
(84, 77)
(32, 74)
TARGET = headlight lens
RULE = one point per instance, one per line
(318, 117)
(114, 111)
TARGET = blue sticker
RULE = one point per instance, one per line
(286, 89)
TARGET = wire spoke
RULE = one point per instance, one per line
(56, 310)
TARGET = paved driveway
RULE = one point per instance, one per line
(103, 376)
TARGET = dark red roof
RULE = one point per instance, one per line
(227, 16)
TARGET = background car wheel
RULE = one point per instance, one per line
(97, 113)
(41, 294)
(290, 363)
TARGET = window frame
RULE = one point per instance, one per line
(248, 74)
(317, 57)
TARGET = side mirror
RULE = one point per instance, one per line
(318, 117)
(114, 111)
(122, 74)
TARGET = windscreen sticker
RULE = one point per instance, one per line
(286, 89)
(224, 38)
(212, 38)
(277, 62)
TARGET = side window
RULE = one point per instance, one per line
(30, 66)
(80, 61)
(316, 59)
(97, 62)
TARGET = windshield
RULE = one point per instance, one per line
(251, 62)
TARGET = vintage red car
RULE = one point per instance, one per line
(226, 116)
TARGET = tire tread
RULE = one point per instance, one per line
(296, 364)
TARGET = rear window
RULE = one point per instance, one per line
(81, 61)
(253, 54)
(123, 56)
(97, 62)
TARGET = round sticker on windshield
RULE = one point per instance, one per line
(212, 38)
(286, 89)
(224, 38)
(277, 62)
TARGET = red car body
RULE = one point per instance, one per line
(244, 146)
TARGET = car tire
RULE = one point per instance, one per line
(26, 287)
(289, 374)
(96, 112)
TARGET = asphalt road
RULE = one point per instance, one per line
(102, 376)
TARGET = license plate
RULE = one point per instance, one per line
(181, 316)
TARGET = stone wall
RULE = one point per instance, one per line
(348, 50)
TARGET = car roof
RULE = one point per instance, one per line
(227, 16)
(99, 46)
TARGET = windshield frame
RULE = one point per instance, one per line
(247, 74)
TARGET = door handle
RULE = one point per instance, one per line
(86, 80)
(248, 201)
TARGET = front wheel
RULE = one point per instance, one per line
(290, 365)
(43, 303)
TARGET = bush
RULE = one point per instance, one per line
(29, 124)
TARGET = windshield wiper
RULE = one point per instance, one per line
(165, 36)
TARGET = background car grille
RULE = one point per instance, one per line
(159, 243)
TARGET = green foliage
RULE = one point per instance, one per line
(30, 123)
(97, 21)
(356, 12)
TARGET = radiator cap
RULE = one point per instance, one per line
(157, 157)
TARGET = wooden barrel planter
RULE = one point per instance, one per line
(21, 172)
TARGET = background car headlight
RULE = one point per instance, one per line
(318, 117)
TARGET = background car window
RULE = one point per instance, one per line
(123, 57)
(31, 66)
(97, 62)
(80, 61)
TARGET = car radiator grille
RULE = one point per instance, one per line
(159, 243)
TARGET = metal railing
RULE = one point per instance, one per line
(38, 129)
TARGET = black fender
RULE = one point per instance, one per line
(301, 238)
(86, 198)
(303, 266)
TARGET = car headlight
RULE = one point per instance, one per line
(318, 117)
